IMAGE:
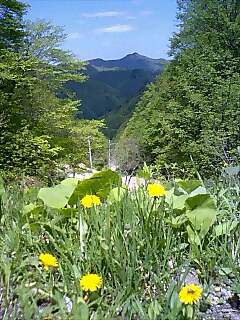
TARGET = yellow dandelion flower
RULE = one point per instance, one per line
(91, 282)
(90, 200)
(48, 260)
(190, 294)
(156, 190)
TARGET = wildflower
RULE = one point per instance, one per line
(91, 282)
(90, 200)
(190, 294)
(48, 260)
(156, 190)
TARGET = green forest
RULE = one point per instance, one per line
(120, 179)
(188, 119)
(39, 130)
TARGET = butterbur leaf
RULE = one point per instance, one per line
(178, 202)
(193, 237)
(202, 219)
(200, 200)
(56, 197)
(99, 184)
(189, 185)
(198, 190)
(70, 181)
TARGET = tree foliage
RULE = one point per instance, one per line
(11, 25)
(191, 113)
(38, 126)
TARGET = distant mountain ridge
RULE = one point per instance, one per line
(130, 62)
(113, 86)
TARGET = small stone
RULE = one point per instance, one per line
(213, 300)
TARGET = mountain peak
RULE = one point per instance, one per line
(130, 62)
(133, 55)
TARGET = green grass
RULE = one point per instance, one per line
(129, 243)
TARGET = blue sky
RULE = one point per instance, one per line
(110, 29)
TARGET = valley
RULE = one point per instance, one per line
(113, 88)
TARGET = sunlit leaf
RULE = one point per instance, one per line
(56, 197)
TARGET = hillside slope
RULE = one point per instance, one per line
(113, 86)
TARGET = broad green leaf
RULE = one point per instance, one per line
(178, 202)
(202, 219)
(189, 185)
(70, 181)
(193, 237)
(225, 228)
(99, 184)
(56, 197)
(197, 191)
(200, 200)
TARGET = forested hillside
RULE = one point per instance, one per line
(38, 129)
(116, 85)
(189, 118)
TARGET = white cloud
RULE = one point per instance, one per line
(116, 28)
(74, 35)
(102, 14)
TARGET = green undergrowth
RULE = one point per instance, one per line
(142, 247)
